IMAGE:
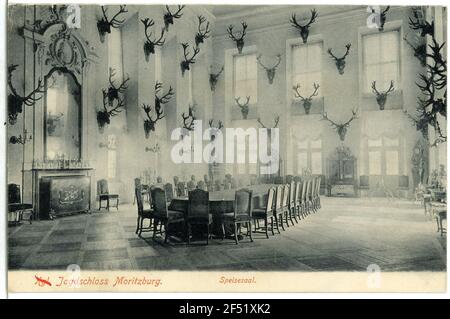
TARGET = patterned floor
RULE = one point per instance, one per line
(345, 235)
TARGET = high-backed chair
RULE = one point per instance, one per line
(311, 194)
(297, 199)
(142, 213)
(226, 184)
(201, 185)
(286, 204)
(242, 214)
(16, 208)
(266, 212)
(181, 189)
(233, 183)
(304, 200)
(112, 200)
(291, 202)
(169, 191)
(317, 197)
(175, 181)
(162, 214)
(278, 213)
(198, 212)
(217, 185)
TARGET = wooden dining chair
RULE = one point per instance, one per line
(303, 198)
(266, 212)
(17, 209)
(279, 207)
(217, 186)
(311, 195)
(201, 185)
(317, 193)
(112, 200)
(169, 191)
(181, 189)
(291, 204)
(142, 213)
(162, 214)
(285, 205)
(297, 199)
(242, 214)
(198, 212)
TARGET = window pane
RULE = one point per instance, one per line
(252, 91)
(389, 46)
(392, 162)
(316, 144)
(391, 142)
(303, 145)
(302, 162)
(314, 57)
(389, 72)
(371, 49)
(240, 68)
(375, 163)
(316, 163)
(251, 66)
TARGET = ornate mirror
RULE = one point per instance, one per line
(62, 120)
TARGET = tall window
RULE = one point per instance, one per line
(309, 156)
(307, 67)
(245, 77)
(384, 156)
(381, 60)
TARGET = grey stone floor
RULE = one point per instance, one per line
(345, 235)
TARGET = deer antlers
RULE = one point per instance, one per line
(239, 40)
(420, 51)
(149, 45)
(115, 110)
(16, 101)
(185, 64)
(188, 120)
(425, 27)
(315, 93)
(202, 34)
(382, 96)
(276, 120)
(169, 16)
(270, 71)
(113, 91)
(214, 77)
(244, 107)
(163, 99)
(341, 128)
(211, 124)
(104, 25)
(304, 29)
(340, 62)
(149, 123)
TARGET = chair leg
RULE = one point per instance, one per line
(249, 231)
(137, 224)
(141, 226)
(189, 233)
(166, 230)
(286, 217)
(236, 233)
(266, 224)
(223, 231)
(290, 217)
(281, 221)
(272, 229)
(207, 234)
(155, 228)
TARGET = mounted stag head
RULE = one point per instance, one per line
(104, 25)
(149, 45)
(214, 129)
(304, 29)
(340, 62)
(164, 99)
(202, 34)
(307, 102)
(15, 101)
(149, 123)
(104, 116)
(269, 131)
(185, 64)
(244, 107)
(420, 51)
(422, 25)
(239, 40)
(341, 129)
(382, 96)
(113, 91)
(188, 120)
(383, 18)
(169, 16)
(270, 71)
(213, 78)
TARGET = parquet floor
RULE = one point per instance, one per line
(345, 235)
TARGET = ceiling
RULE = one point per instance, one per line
(223, 10)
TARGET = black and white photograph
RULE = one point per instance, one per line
(244, 141)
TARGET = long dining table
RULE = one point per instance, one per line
(221, 202)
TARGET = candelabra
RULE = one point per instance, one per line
(21, 139)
